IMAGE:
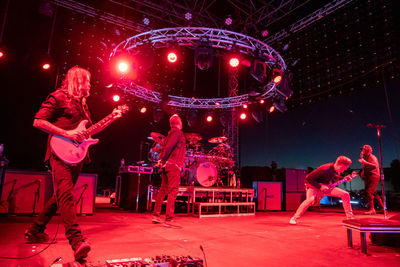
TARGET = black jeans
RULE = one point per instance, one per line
(371, 183)
(65, 177)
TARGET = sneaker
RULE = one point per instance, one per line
(293, 220)
(172, 224)
(81, 250)
(156, 219)
(370, 212)
(33, 236)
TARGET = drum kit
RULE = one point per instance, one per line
(200, 168)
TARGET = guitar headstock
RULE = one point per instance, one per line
(123, 108)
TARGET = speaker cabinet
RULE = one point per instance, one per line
(133, 191)
(85, 193)
(269, 195)
(25, 192)
(295, 180)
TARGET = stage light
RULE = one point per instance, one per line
(203, 55)
(209, 118)
(262, 101)
(143, 110)
(188, 16)
(123, 67)
(46, 66)
(146, 21)
(1, 54)
(116, 98)
(276, 75)
(234, 62)
(172, 57)
(243, 116)
(245, 106)
(109, 85)
(228, 21)
(271, 109)
(264, 33)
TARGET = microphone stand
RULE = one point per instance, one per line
(382, 176)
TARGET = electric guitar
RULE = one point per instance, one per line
(331, 186)
(73, 152)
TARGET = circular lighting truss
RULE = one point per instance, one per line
(190, 37)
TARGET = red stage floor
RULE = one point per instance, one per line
(266, 239)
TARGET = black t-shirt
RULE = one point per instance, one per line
(324, 174)
(62, 111)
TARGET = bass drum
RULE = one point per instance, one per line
(206, 174)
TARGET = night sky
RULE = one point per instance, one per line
(309, 134)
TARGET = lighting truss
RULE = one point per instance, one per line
(189, 36)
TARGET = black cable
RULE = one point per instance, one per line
(204, 254)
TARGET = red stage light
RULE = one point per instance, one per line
(234, 62)
(209, 118)
(116, 98)
(143, 110)
(276, 76)
(262, 101)
(271, 109)
(278, 79)
(123, 67)
(1, 54)
(245, 106)
(46, 66)
(243, 116)
(172, 57)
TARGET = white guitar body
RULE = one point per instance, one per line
(71, 152)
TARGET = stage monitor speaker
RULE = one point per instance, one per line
(133, 191)
(85, 193)
(293, 200)
(269, 195)
(25, 192)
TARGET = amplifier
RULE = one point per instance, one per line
(158, 261)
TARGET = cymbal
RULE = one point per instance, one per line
(223, 146)
(192, 137)
(218, 139)
(156, 137)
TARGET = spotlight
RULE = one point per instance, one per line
(46, 66)
(264, 33)
(146, 21)
(2, 54)
(123, 67)
(172, 57)
(228, 21)
(143, 109)
(271, 109)
(243, 116)
(209, 118)
(245, 106)
(262, 101)
(276, 75)
(116, 98)
(188, 16)
(234, 62)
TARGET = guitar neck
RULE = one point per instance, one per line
(104, 122)
(339, 182)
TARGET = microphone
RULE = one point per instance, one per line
(376, 126)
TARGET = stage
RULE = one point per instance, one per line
(266, 239)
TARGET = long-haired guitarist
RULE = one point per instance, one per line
(59, 115)
(320, 181)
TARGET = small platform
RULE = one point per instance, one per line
(369, 225)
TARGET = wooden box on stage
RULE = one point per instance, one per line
(269, 195)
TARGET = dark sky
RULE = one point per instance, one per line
(306, 135)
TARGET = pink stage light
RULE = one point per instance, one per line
(245, 106)
(271, 109)
(1, 54)
(234, 62)
(209, 118)
(123, 67)
(243, 116)
(116, 98)
(172, 57)
(143, 110)
(262, 101)
(46, 66)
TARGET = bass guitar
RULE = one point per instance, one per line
(72, 152)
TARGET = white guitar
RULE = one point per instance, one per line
(72, 152)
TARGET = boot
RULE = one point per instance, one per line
(371, 210)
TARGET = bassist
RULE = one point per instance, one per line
(318, 181)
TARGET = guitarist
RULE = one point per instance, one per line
(318, 181)
(371, 176)
(59, 115)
